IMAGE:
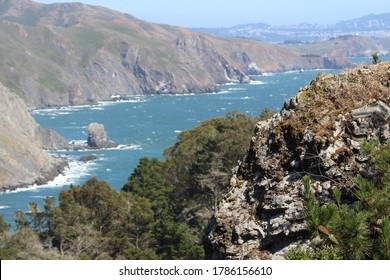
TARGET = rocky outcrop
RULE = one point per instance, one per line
(318, 133)
(51, 140)
(23, 160)
(97, 137)
(72, 54)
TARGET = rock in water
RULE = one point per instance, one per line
(88, 158)
(97, 137)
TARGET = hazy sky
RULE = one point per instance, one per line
(225, 13)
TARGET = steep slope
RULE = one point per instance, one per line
(317, 133)
(23, 160)
(68, 54)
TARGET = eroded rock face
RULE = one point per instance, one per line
(51, 140)
(97, 137)
(123, 56)
(23, 160)
(318, 133)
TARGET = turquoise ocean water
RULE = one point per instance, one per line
(144, 127)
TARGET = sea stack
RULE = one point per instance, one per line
(97, 137)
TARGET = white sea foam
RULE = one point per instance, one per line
(123, 147)
(4, 207)
(269, 74)
(97, 108)
(71, 175)
(83, 143)
(178, 131)
(139, 99)
(257, 83)
(292, 72)
(235, 89)
(53, 112)
(181, 94)
(228, 84)
(226, 91)
(78, 142)
(60, 111)
(127, 147)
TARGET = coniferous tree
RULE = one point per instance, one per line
(353, 231)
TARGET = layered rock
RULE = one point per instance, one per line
(318, 133)
(23, 160)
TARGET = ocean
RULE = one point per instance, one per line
(144, 127)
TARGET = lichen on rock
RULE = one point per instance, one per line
(318, 133)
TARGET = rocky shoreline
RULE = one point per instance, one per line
(97, 139)
(46, 176)
(89, 54)
(24, 146)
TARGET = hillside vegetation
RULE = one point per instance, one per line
(159, 214)
(313, 184)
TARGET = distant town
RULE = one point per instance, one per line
(376, 27)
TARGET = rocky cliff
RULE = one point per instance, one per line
(70, 53)
(319, 133)
(23, 160)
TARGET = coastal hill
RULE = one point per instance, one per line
(326, 133)
(313, 184)
(23, 159)
(70, 54)
(357, 37)
(347, 45)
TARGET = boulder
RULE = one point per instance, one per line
(86, 158)
(97, 137)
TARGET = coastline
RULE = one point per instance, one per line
(56, 168)
(140, 97)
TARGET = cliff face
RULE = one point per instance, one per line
(23, 160)
(69, 54)
(317, 133)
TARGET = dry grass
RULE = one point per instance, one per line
(322, 103)
(328, 96)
